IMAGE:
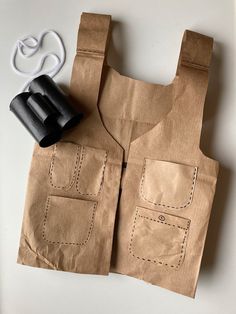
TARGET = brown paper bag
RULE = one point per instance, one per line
(128, 190)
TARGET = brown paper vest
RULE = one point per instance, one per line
(128, 190)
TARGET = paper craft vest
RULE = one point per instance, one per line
(128, 190)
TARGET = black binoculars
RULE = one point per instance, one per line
(45, 111)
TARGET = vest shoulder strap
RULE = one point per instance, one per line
(196, 51)
(193, 76)
(92, 43)
(93, 34)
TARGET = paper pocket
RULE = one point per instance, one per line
(91, 170)
(168, 184)
(159, 238)
(83, 166)
(64, 165)
(68, 221)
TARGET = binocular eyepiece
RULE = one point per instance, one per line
(44, 111)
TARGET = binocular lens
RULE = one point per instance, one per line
(44, 111)
(44, 135)
(42, 108)
(44, 85)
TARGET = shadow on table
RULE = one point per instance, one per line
(213, 100)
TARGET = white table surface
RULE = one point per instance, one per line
(145, 45)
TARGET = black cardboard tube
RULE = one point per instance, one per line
(44, 85)
(44, 135)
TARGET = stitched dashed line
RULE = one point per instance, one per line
(161, 222)
(74, 172)
(162, 204)
(155, 260)
(66, 243)
(80, 165)
(83, 153)
(87, 51)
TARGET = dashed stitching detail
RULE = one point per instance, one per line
(162, 204)
(67, 243)
(161, 222)
(80, 165)
(74, 172)
(99, 52)
(83, 153)
(155, 260)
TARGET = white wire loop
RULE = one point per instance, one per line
(28, 46)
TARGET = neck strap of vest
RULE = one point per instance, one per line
(92, 43)
(193, 72)
(195, 52)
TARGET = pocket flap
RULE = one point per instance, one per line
(164, 218)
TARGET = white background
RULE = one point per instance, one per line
(145, 45)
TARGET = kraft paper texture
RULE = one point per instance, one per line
(128, 190)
